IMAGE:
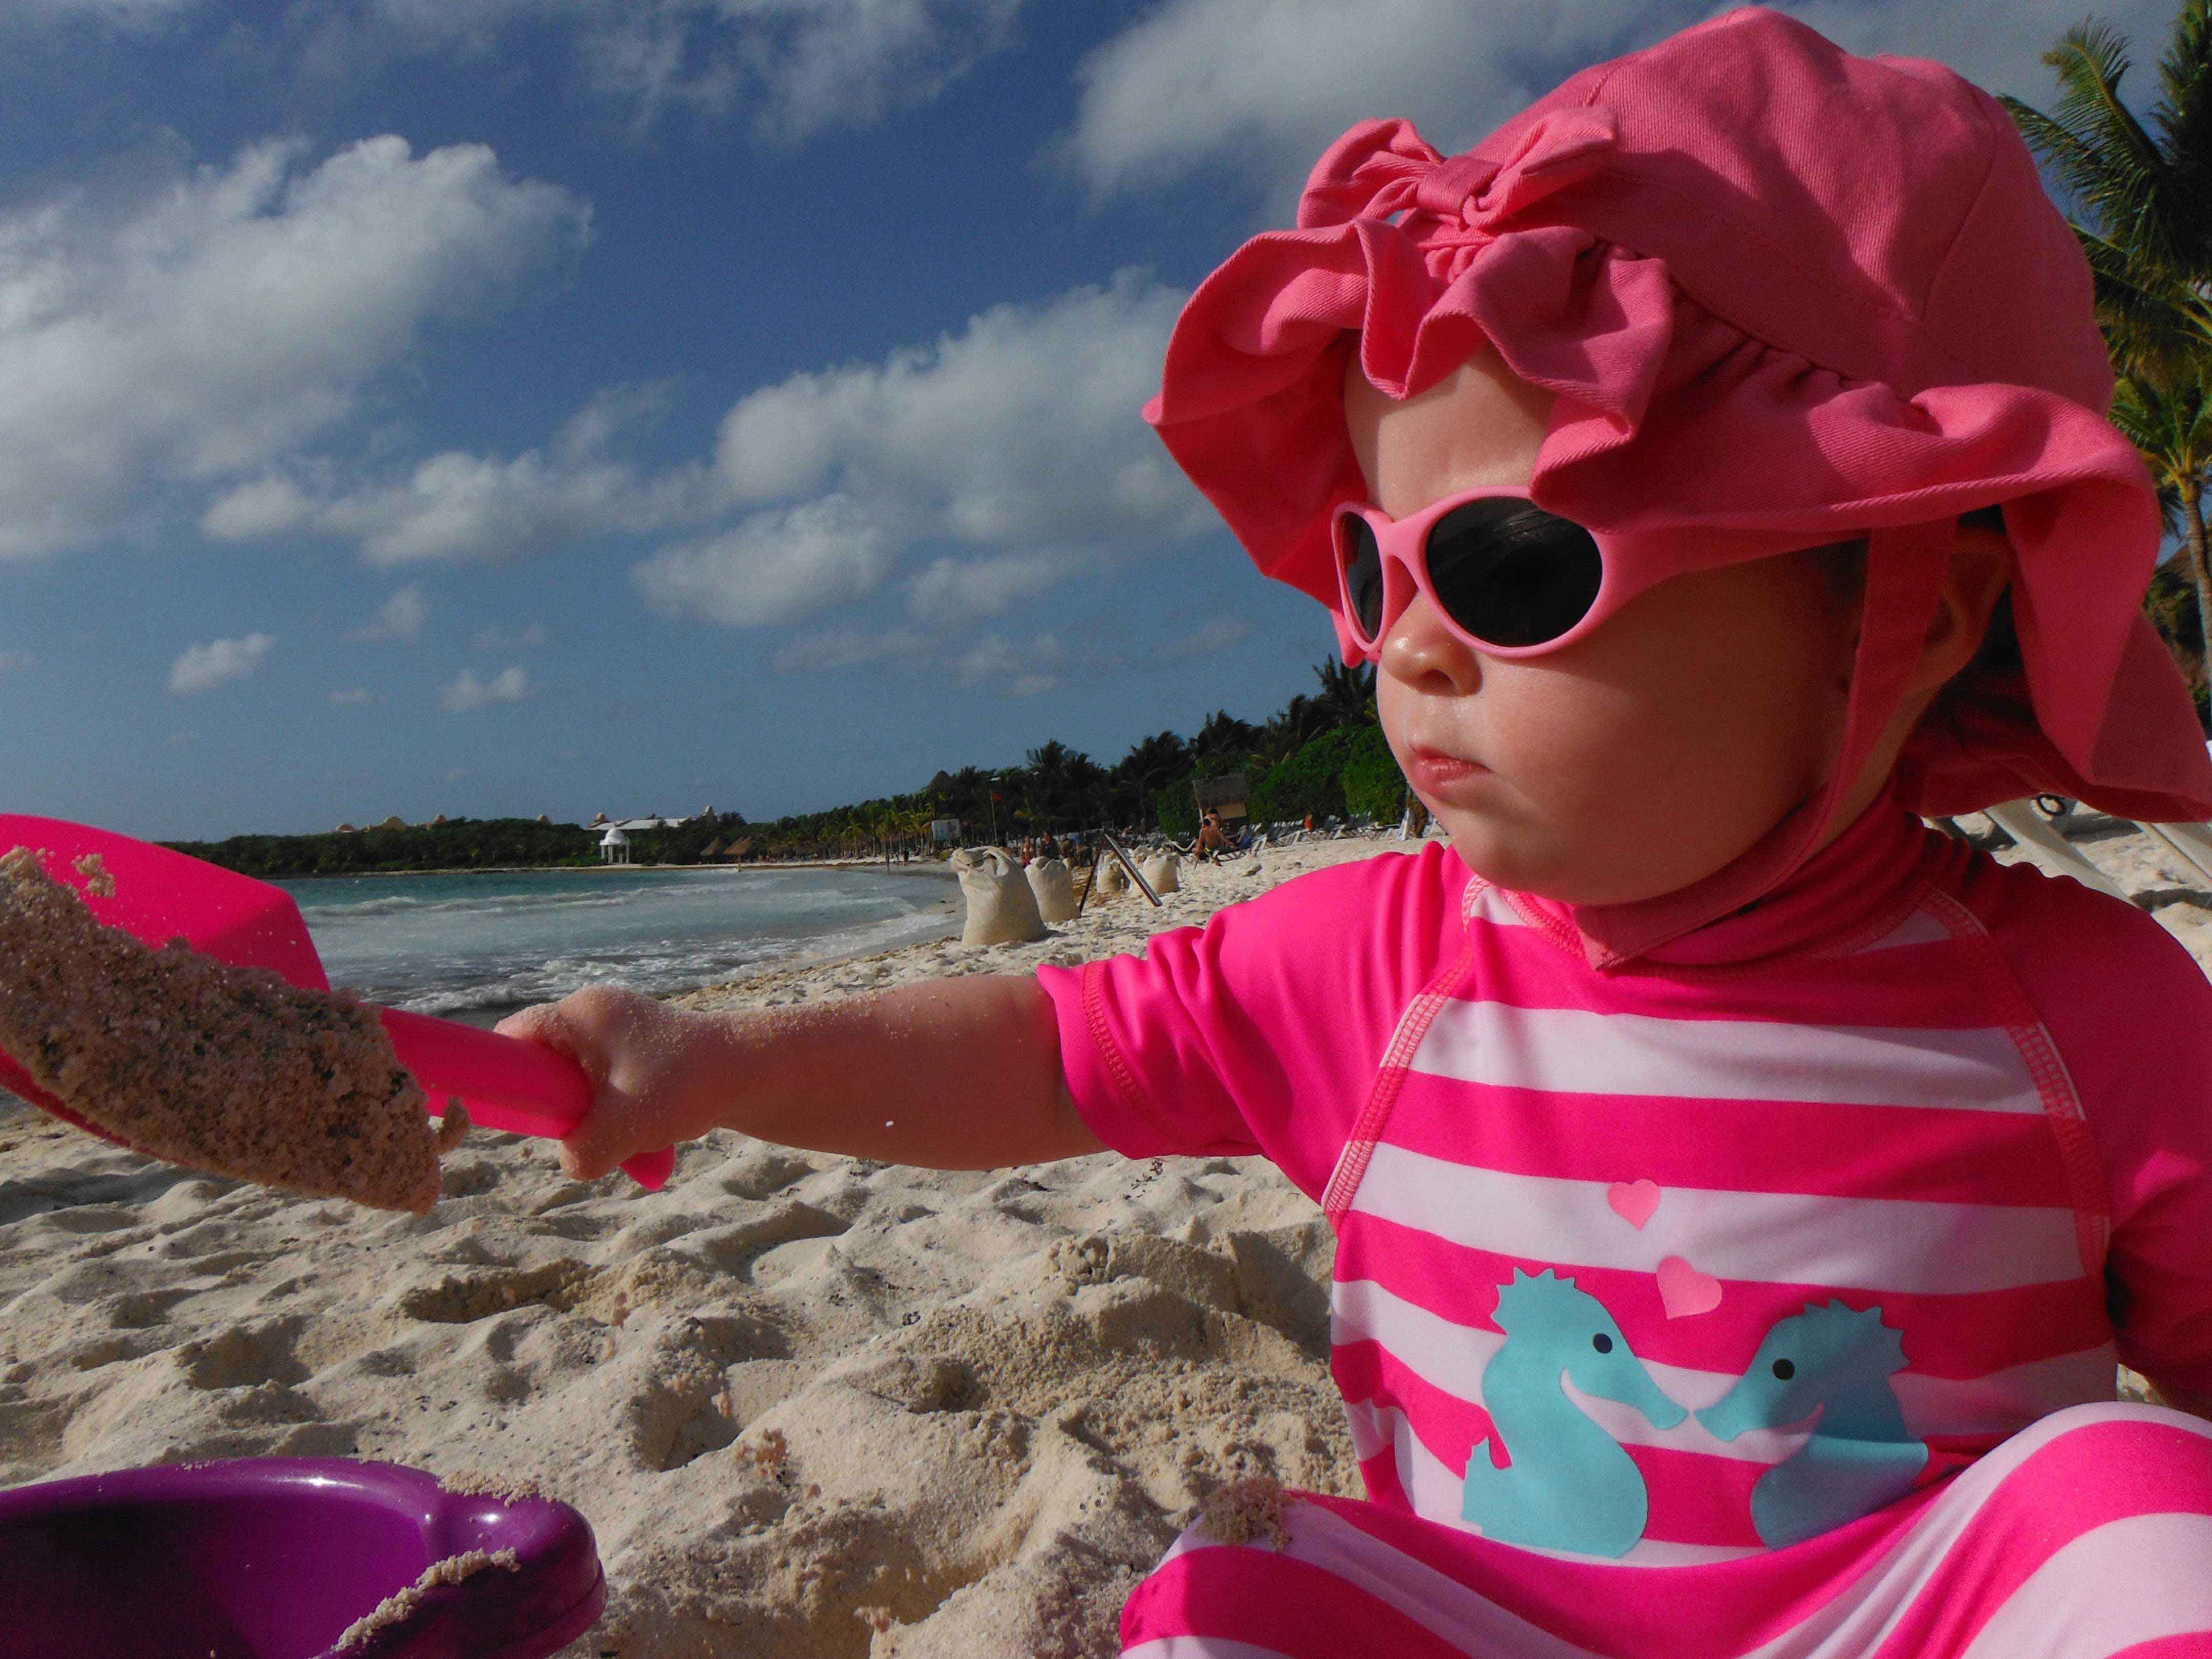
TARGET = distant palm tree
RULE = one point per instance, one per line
(1300, 721)
(1347, 693)
(1224, 734)
(2145, 191)
(1058, 777)
(1151, 764)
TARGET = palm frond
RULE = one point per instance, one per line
(2183, 119)
(2081, 166)
(2154, 325)
(2119, 190)
(2171, 427)
(2092, 60)
(2182, 68)
(2110, 170)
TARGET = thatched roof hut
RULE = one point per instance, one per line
(1226, 795)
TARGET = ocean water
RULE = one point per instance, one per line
(476, 946)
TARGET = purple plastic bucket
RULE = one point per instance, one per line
(272, 1558)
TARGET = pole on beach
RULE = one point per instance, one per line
(1104, 844)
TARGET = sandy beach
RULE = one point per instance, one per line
(813, 1406)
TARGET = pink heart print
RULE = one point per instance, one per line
(1633, 1201)
(1684, 1291)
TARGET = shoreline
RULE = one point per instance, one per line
(938, 867)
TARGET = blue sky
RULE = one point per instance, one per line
(509, 406)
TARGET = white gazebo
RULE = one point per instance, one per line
(614, 846)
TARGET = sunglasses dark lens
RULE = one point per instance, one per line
(1513, 575)
(1362, 572)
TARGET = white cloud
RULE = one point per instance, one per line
(401, 618)
(1261, 87)
(12, 661)
(459, 506)
(118, 14)
(214, 320)
(1023, 429)
(258, 508)
(496, 638)
(202, 667)
(1028, 668)
(351, 696)
(793, 67)
(1021, 435)
(468, 692)
(818, 653)
(954, 591)
(1203, 641)
(1264, 86)
(1996, 44)
(775, 567)
(788, 68)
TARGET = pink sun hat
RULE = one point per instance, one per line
(1782, 295)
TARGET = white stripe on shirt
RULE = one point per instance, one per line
(1576, 1050)
(1909, 1245)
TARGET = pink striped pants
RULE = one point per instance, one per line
(2085, 1536)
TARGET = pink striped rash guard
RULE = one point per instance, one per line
(1722, 1249)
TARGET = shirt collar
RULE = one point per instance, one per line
(1860, 883)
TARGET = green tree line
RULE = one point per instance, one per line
(1321, 754)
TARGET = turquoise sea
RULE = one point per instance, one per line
(474, 946)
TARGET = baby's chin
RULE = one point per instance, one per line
(1542, 864)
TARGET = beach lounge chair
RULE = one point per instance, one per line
(2190, 842)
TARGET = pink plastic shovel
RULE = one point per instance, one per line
(525, 1087)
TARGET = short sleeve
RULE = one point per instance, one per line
(1262, 1031)
(2130, 1012)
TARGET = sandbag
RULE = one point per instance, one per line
(1001, 908)
(1160, 869)
(1111, 881)
(1053, 884)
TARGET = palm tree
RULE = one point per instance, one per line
(1051, 780)
(1347, 693)
(2145, 191)
(1150, 765)
(2172, 426)
(1224, 734)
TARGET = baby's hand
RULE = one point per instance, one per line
(634, 1049)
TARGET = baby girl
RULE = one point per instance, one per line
(1743, 1193)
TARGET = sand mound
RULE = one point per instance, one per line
(229, 1069)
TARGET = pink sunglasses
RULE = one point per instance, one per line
(1508, 578)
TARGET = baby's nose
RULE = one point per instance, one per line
(1420, 651)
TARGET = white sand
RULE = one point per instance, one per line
(813, 1407)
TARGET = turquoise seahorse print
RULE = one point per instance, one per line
(1834, 1361)
(1570, 1487)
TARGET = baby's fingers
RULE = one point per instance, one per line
(579, 1028)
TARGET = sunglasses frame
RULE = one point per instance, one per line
(1403, 544)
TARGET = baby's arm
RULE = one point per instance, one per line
(954, 1074)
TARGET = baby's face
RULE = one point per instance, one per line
(1642, 757)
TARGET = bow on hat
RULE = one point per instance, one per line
(1384, 169)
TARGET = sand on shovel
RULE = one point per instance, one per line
(232, 1070)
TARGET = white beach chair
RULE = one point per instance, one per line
(2020, 820)
(2189, 842)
